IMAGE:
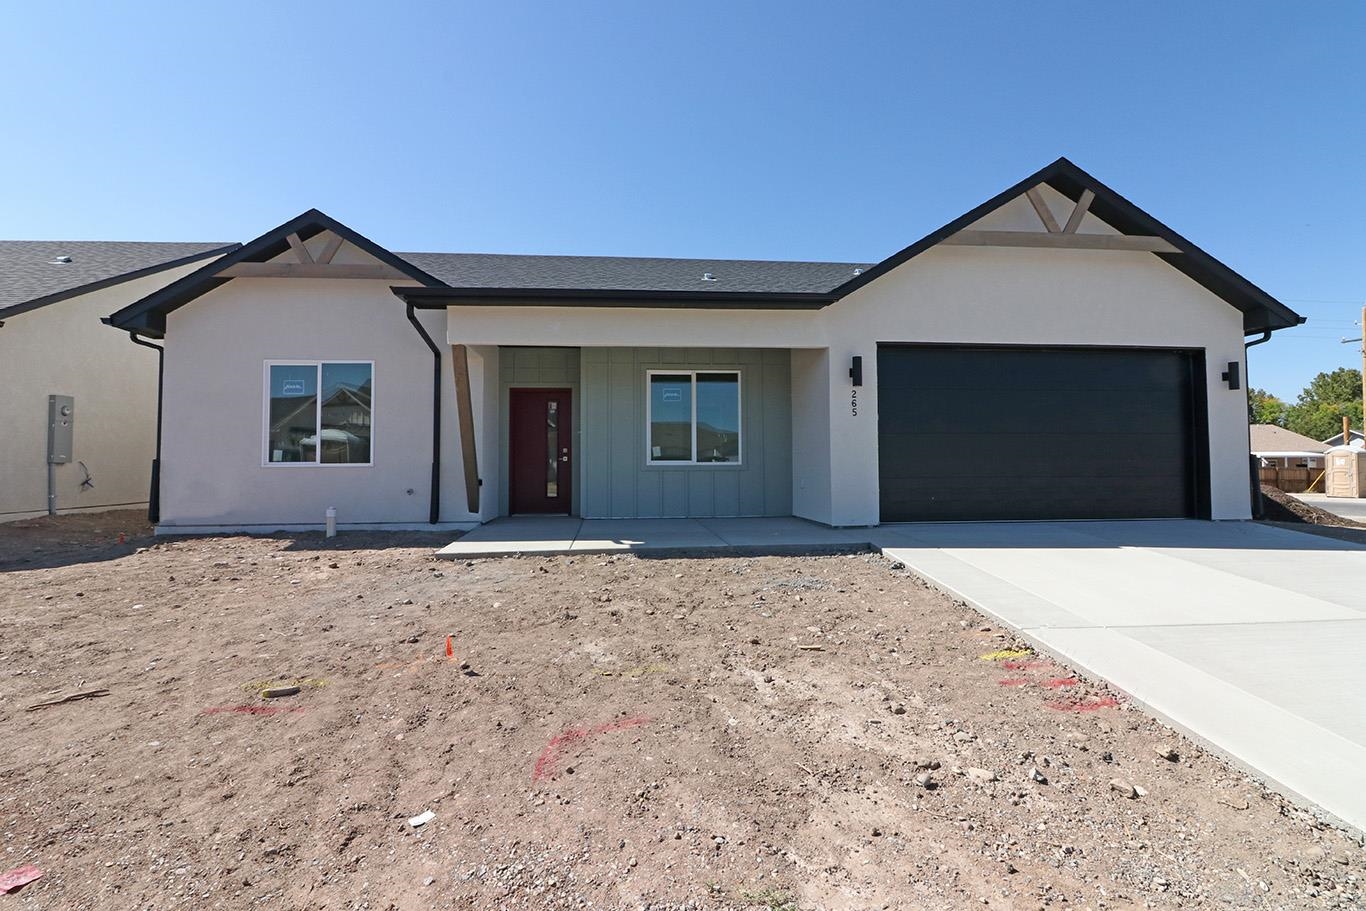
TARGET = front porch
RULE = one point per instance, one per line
(549, 535)
(644, 433)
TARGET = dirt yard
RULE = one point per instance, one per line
(1280, 506)
(746, 733)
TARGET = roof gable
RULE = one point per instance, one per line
(1261, 311)
(149, 314)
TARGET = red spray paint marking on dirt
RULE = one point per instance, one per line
(1058, 683)
(561, 743)
(1025, 665)
(1090, 705)
(252, 709)
(18, 878)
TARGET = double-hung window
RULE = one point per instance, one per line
(319, 412)
(693, 417)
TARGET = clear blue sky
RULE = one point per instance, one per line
(787, 130)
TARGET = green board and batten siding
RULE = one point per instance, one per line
(616, 482)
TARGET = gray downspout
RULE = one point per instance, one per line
(434, 515)
(154, 494)
(1254, 475)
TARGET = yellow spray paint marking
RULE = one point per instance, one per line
(305, 682)
(639, 670)
(1004, 653)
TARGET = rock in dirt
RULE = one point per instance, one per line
(1167, 752)
(980, 776)
(1124, 788)
(926, 781)
(1037, 776)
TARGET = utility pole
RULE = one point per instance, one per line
(1345, 426)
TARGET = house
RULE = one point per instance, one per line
(1055, 352)
(1277, 447)
(52, 297)
(1355, 438)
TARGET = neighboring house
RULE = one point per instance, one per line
(53, 295)
(1355, 438)
(1281, 448)
(1054, 353)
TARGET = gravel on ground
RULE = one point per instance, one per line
(821, 732)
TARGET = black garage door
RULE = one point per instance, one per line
(968, 433)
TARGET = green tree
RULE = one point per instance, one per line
(1266, 408)
(1319, 410)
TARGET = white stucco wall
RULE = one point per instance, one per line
(811, 379)
(212, 471)
(64, 349)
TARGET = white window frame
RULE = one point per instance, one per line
(317, 421)
(692, 375)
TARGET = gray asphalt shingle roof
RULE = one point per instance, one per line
(29, 275)
(1274, 438)
(629, 273)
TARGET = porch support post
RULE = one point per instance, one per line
(464, 411)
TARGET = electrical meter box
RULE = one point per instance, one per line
(61, 414)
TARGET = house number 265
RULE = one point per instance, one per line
(853, 402)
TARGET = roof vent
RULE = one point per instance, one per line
(59, 261)
(708, 277)
(858, 271)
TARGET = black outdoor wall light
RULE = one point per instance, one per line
(856, 370)
(1230, 376)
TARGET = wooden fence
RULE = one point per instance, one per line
(1291, 480)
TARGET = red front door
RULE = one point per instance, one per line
(540, 451)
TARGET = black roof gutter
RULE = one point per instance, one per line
(440, 298)
(154, 492)
(434, 511)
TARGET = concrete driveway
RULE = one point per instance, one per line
(1347, 507)
(1249, 638)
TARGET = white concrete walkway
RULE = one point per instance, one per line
(1249, 638)
(568, 535)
